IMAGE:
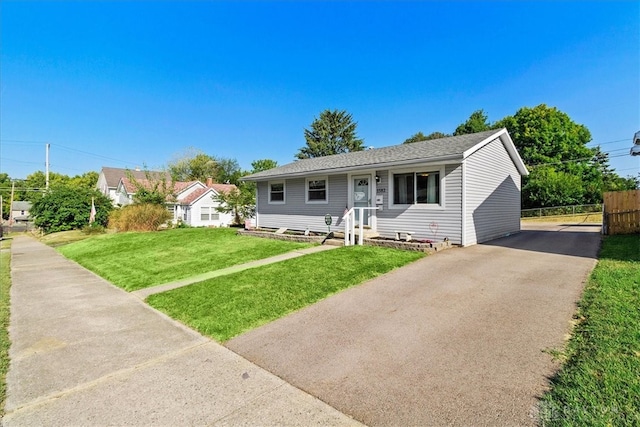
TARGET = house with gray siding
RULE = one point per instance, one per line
(463, 188)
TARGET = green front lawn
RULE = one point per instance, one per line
(230, 305)
(138, 260)
(599, 383)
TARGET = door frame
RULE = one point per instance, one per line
(372, 193)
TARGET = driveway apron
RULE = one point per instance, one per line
(84, 352)
(459, 338)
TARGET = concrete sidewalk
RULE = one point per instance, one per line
(144, 293)
(84, 352)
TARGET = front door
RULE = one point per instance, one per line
(361, 198)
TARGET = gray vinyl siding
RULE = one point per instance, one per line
(295, 213)
(492, 194)
(423, 222)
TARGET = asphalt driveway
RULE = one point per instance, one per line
(460, 338)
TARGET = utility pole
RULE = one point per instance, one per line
(13, 186)
(1, 210)
(46, 166)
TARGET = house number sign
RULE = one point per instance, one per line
(381, 190)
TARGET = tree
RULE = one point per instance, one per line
(153, 190)
(263, 165)
(477, 122)
(422, 137)
(547, 138)
(240, 202)
(193, 165)
(228, 171)
(334, 132)
(86, 180)
(67, 208)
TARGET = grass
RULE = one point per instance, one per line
(599, 383)
(5, 285)
(230, 305)
(138, 260)
(63, 237)
(590, 218)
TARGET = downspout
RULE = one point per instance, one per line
(463, 225)
(257, 216)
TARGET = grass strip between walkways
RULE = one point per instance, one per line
(230, 305)
(599, 383)
(5, 285)
(134, 261)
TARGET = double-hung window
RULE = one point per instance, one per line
(317, 190)
(276, 192)
(209, 213)
(416, 188)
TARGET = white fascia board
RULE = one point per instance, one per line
(445, 160)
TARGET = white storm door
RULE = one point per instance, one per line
(362, 198)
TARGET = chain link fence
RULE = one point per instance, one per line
(561, 211)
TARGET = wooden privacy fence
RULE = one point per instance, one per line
(621, 212)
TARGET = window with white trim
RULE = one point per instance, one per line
(317, 190)
(416, 188)
(276, 192)
(209, 213)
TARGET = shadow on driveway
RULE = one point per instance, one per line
(580, 240)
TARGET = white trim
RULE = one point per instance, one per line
(324, 178)
(444, 160)
(420, 206)
(284, 192)
(463, 223)
(373, 218)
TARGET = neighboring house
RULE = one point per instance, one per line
(191, 202)
(465, 188)
(109, 179)
(20, 211)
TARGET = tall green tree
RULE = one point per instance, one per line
(229, 171)
(417, 137)
(548, 139)
(193, 165)
(263, 165)
(334, 132)
(477, 122)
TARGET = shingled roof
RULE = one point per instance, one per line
(441, 149)
(113, 175)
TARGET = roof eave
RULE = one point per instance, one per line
(336, 171)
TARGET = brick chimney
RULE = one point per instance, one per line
(209, 182)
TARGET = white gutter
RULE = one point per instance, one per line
(373, 166)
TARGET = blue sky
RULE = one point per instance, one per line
(127, 84)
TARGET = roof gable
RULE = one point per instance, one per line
(441, 149)
(214, 189)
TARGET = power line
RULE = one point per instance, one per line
(64, 147)
(609, 142)
(21, 161)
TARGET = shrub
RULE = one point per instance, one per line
(93, 228)
(139, 217)
(67, 208)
